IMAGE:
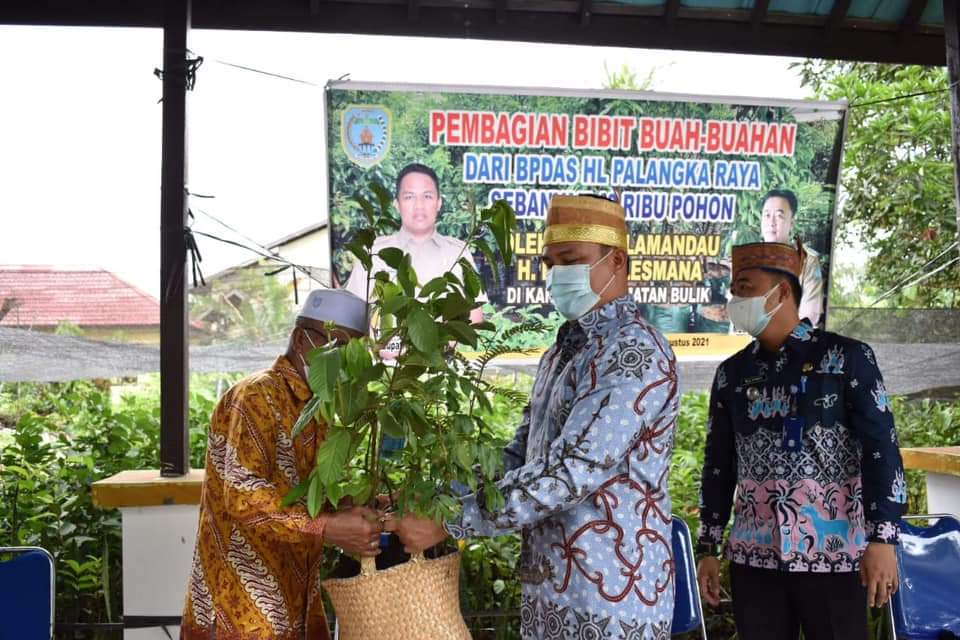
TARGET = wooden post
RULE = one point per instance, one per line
(174, 332)
(951, 38)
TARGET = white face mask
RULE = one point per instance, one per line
(570, 290)
(750, 314)
(306, 367)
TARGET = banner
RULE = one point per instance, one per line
(695, 174)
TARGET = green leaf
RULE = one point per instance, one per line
(408, 384)
(334, 493)
(463, 424)
(352, 399)
(462, 332)
(494, 499)
(362, 255)
(437, 285)
(394, 304)
(366, 207)
(360, 490)
(464, 453)
(484, 326)
(332, 457)
(294, 495)
(454, 305)
(492, 260)
(324, 371)
(389, 424)
(471, 279)
(503, 224)
(422, 330)
(406, 276)
(309, 412)
(391, 256)
(418, 418)
(373, 373)
(489, 462)
(384, 198)
(315, 496)
(357, 357)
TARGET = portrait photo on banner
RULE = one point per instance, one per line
(695, 174)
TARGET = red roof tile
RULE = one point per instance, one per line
(47, 296)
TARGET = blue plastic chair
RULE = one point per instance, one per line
(687, 607)
(26, 594)
(928, 558)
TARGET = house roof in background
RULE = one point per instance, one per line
(46, 296)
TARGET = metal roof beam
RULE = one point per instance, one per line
(586, 8)
(911, 19)
(530, 21)
(759, 13)
(670, 10)
(838, 14)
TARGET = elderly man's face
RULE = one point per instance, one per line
(418, 203)
(776, 222)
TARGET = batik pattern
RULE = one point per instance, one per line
(812, 510)
(587, 483)
(256, 562)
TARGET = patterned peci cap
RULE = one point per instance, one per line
(586, 219)
(767, 255)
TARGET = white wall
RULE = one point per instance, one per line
(157, 554)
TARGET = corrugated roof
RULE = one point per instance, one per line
(46, 296)
(899, 31)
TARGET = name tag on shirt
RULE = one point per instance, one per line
(792, 434)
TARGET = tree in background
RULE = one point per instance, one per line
(626, 78)
(897, 175)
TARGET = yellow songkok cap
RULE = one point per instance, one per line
(586, 219)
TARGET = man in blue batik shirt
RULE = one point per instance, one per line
(586, 474)
(802, 432)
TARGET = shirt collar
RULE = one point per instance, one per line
(297, 385)
(406, 239)
(600, 319)
(799, 340)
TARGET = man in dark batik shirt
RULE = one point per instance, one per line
(800, 425)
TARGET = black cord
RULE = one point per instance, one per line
(287, 264)
(266, 73)
(191, 65)
(857, 105)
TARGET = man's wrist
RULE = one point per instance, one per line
(316, 526)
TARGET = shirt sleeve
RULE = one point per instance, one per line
(719, 477)
(811, 306)
(243, 434)
(871, 419)
(609, 415)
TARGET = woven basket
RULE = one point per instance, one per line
(416, 600)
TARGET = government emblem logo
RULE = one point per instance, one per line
(365, 133)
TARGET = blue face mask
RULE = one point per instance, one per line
(570, 290)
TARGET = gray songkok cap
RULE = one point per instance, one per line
(340, 307)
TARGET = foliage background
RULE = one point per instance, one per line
(811, 173)
(897, 175)
(55, 440)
